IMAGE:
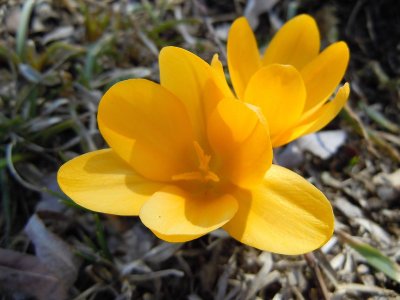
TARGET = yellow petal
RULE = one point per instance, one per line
(319, 119)
(280, 93)
(296, 43)
(219, 73)
(240, 138)
(148, 127)
(176, 215)
(286, 214)
(102, 182)
(192, 80)
(324, 73)
(243, 55)
(328, 111)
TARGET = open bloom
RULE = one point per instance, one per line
(187, 158)
(292, 82)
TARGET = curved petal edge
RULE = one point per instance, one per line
(285, 215)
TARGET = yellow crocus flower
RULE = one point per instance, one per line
(291, 61)
(188, 158)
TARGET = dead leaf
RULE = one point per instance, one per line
(289, 157)
(347, 208)
(323, 144)
(25, 274)
(162, 252)
(13, 20)
(392, 179)
(255, 8)
(375, 230)
(59, 33)
(222, 31)
(52, 251)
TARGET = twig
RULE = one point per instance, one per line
(211, 30)
(312, 262)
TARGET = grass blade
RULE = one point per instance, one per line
(373, 256)
(23, 28)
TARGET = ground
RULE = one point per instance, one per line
(56, 60)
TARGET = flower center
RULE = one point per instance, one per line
(203, 174)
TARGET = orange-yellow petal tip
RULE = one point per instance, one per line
(243, 55)
(343, 49)
(296, 43)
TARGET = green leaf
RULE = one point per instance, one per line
(59, 52)
(373, 256)
(378, 260)
(380, 118)
(101, 238)
(94, 52)
(23, 28)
